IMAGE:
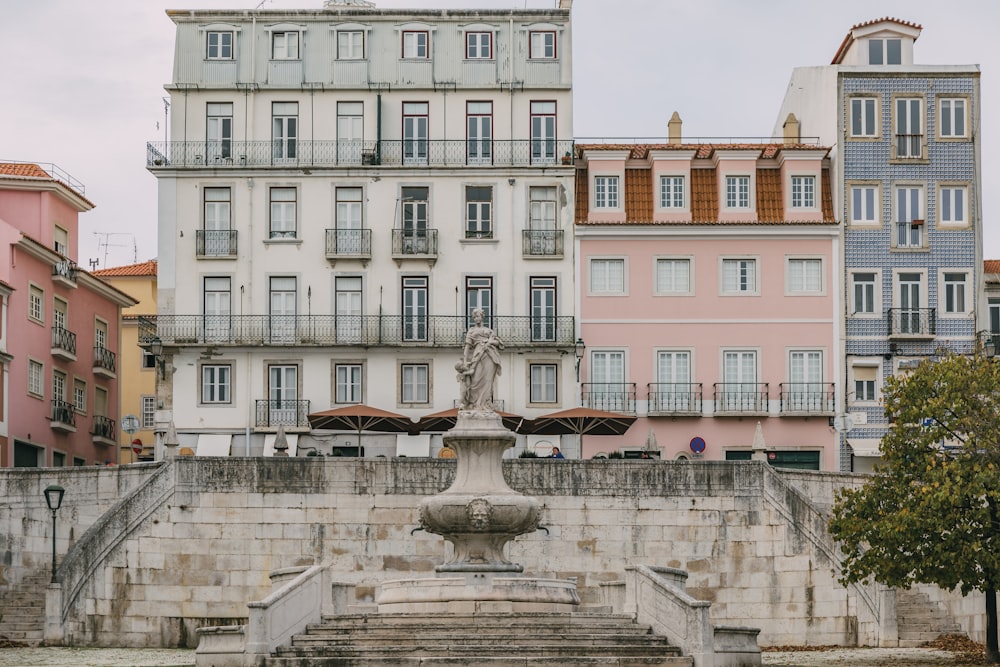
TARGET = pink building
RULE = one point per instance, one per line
(61, 330)
(708, 299)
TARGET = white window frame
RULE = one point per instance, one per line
(415, 48)
(673, 192)
(601, 282)
(906, 210)
(864, 125)
(478, 213)
(607, 191)
(36, 303)
(804, 192)
(36, 378)
(875, 296)
(737, 197)
(863, 215)
(908, 140)
(348, 382)
(542, 45)
(283, 212)
(751, 278)
(147, 411)
(543, 382)
(414, 390)
(80, 396)
(221, 51)
(350, 45)
(667, 270)
(218, 389)
(286, 45)
(948, 195)
(882, 43)
(474, 45)
(871, 368)
(950, 110)
(804, 283)
(955, 296)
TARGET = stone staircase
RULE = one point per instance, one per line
(920, 620)
(481, 639)
(22, 616)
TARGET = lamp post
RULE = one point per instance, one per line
(53, 498)
(156, 349)
(578, 349)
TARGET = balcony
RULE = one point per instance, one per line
(351, 330)
(806, 398)
(908, 147)
(64, 273)
(104, 431)
(609, 396)
(290, 414)
(104, 362)
(215, 243)
(63, 344)
(414, 244)
(294, 153)
(740, 399)
(674, 399)
(348, 244)
(542, 243)
(63, 417)
(912, 323)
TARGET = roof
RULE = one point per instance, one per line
(991, 266)
(641, 151)
(33, 172)
(24, 170)
(131, 270)
(849, 38)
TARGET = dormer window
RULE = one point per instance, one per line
(803, 192)
(737, 192)
(285, 46)
(885, 52)
(219, 45)
(605, 192)
(478, 45)
(541, 45)
(416, 44)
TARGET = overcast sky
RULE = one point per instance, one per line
(81, 83)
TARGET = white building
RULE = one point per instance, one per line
(341, 188)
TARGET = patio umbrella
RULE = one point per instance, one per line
(361, 417)
(445, 420)
(581, 421)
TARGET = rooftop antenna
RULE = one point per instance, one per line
(105, 243)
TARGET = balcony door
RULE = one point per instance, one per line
(415, 132)
(415, 237)
(673, 373)
(739, 375)
(415, 309)
(284, 131)
(217, 308)
(909, 303)
(350, 132)
(348, 309)
(218, 241)
(282, 395)
(805, 375)
(543, 309)
(219, 131)
(282, 309)
(479, 132)
(542, 221)
(607, 375)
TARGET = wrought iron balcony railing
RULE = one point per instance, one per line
(741, 397)
(609, 396)
(65, 272)
(104, 430)
(215, 242)
(912, 322)
(422, 242)
(348, 243)
(275, 413)
(542, 242)
(353, 153)
(678, 398)
(814, 398)
(63, 343)
(351, 330)
(63, 416)
(105, 361)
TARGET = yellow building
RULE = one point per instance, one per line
(137, 368)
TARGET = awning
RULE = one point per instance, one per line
(291, 438)
(213, 444)
(865, 446)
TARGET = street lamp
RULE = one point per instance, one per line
(156, 349)
(578, 349)
(53, 498)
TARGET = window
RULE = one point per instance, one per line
(415, 132)
(803, 192)
(284, 130)
(348, 308)
(805, 391)
(541, 45)
(415, 44)
(605, 192)
(58, 460)
(80, 396)
(35, 372)
(672, 192)
(348, 388)
(219, 45)
(607, 276)
(478, 294)
(954, 292)
(58, 385)
(739, 381)
(909, 217)
(951, 114)
(542, 208)
(350, 132)
(673, 391)
(864, 117)
(285, 46)
(737, 192)
(544, 383)
(148, 360)
(607, 382)
(739, 276)
(148, 410)
(218, 130)
(805, 276)
(101, 335)
(864, 205)
(348, 221)
(478, 212)
(885, 51)
(216, 307)
(543, 308)
(36, 304)
(479, 132)
(282, 308)
(414, 297)
(415, 237)
(951, 205)
(863, 291)
(413, 383)
(673, 276)
(282, 213)
(59, 313)
(283, 394)
(865, 378)
(218, 241)
(909, 127)
(910, 301)
(478, 45)
(350, 45)
(60, 240)
(543, 132)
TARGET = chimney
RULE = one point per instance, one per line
(791, 128)
(674, 129)
(565, 4)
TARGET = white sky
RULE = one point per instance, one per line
(81, 82)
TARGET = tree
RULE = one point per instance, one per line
(931, 511)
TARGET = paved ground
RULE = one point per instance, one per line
(88, 657)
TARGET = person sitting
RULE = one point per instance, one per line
(556, 454)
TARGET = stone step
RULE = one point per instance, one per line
(485, 661)
(503, 630)
(478, 620)
(474, 650)
(507, 641)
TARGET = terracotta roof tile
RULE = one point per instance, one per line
(704, 194)
(142, 269)
(24, 170)
(849, 37)
(582, 194)
(991, 266)
(638, 194)
(827, 195)
(770, 206)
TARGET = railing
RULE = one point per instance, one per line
(422, 242)
(354, 153)
(271, 414)
(66, 269)
(104, 359)
(741, 397)
(348, 243)
(806, 397)
(915, 322)
(542, 242)
(65, 340)
(215, 242)
(667, 398)
(909, 146)
(104, 428)
(609, 396)
(63, 412)
(363, 330)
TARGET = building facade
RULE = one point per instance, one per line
(343, 188)
(907, 186)
(709, 284)
(61, 327)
